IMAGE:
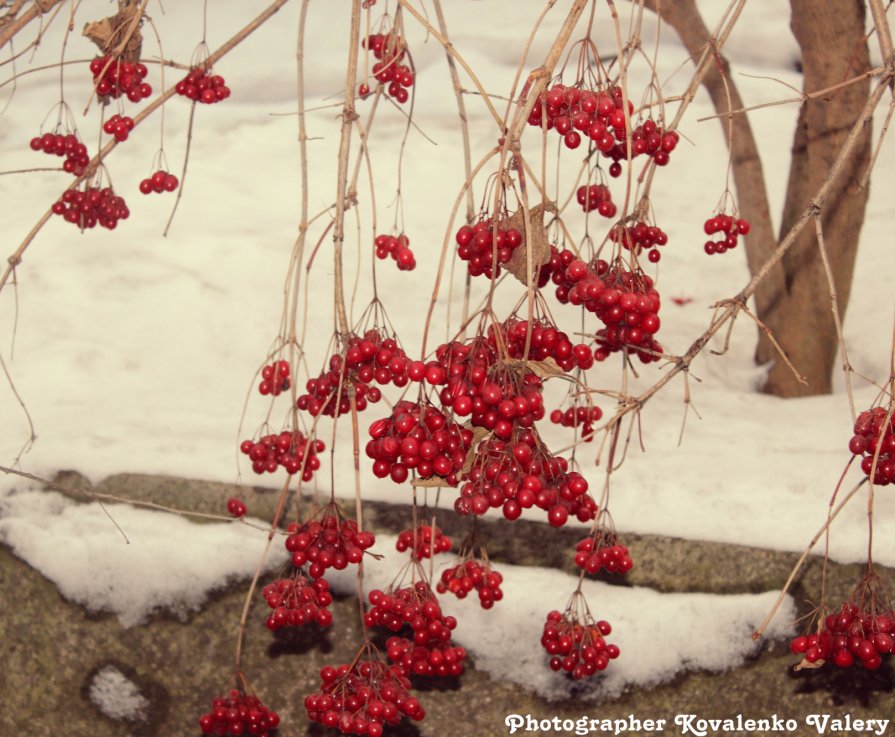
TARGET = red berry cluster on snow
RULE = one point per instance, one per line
(238, 714)
(92, 206)
(851, 636)
(275, 378)
(479, 244)
(872, 434)
(640, 236)
(287, 449)
(296, 601)
(419, 542)
(67, 145)
(361, 697)
(429, 650)
(579, 648)
(599, 114)
(373, 356)
(462, 578)
(626, 302)
(519, 474)
(159, 181)
(601, 550)
(398, 247)
(596, 197)
(583, 417)
(546, 342)
(389, 49)
(330, 542)
(119, 126)
(200, 85)
(114, 78)
(729, 228)
(417, 436)
(236, 507)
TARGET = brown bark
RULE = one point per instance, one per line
(831, 36)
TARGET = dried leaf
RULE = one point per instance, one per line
(109, 33)
(546, 369)
(433, 482)
(536, 240)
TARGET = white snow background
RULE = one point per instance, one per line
(134, 352)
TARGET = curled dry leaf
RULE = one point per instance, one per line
(535, 239)
(122, 28)
(546, 369)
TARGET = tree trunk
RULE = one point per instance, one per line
(834, 48)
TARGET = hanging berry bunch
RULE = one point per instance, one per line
(67, 145)
(236, 507)
(424, 541)
(547, 341)
(729, 228)
(275, 378)
(389, 70)
(596, 197)
(238, 714)
(472, 571)
(289, 449)
(362, 696)
(328, 540)
(575, 642)
(159, 181)
(601, 550)
(298, 600)
(480, 244)
(398, 247)
(582, 416)
(90, 205)
(874, 438)
(639, 236)
(114, 77)
(860, 633)
(202, 85)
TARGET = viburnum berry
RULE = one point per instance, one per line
(420, 542)
(578, 416)
(119, 126)
(287, 449)
(327, 541)
(159, 181)
(360, 697)
(639, 236)
(275, 378)
(236, 507)
(113, 77)
(596, 197)
(471, 574)
(91, 206)
(398, 247)
(418, 437)
(575, 642)
(238, 714)
(601, 550)
(480, 244)
(396, 77)
(297, 601)
(67, 145)
(860, 633)
(202, 85)
(874, 439)
(729, 228)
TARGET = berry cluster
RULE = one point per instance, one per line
(648, 138)
(596, 197)
(850, 636)
(583, 417)
(114, 78)
(479, 244)
(330, 542)
(159, 181)
(872, 434)
(429, 651)
(419, 542)
(577, 647)
(390, 50)
(373, 356)
(729, 228)
(640, 236)
(418, 436)
(601, 550)
(119, 126)
(296, 601)
(462, 578)
(238, 714)
(92, 206)
(359, 698)
(398, 247)
(287, 449)
(200, 85)
(275, 378)
(67, 145)
(236, 507)
(546, 342)
(519, 474)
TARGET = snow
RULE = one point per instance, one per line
(116, 696)
(135, 353)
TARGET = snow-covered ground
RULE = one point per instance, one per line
(135, 352)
